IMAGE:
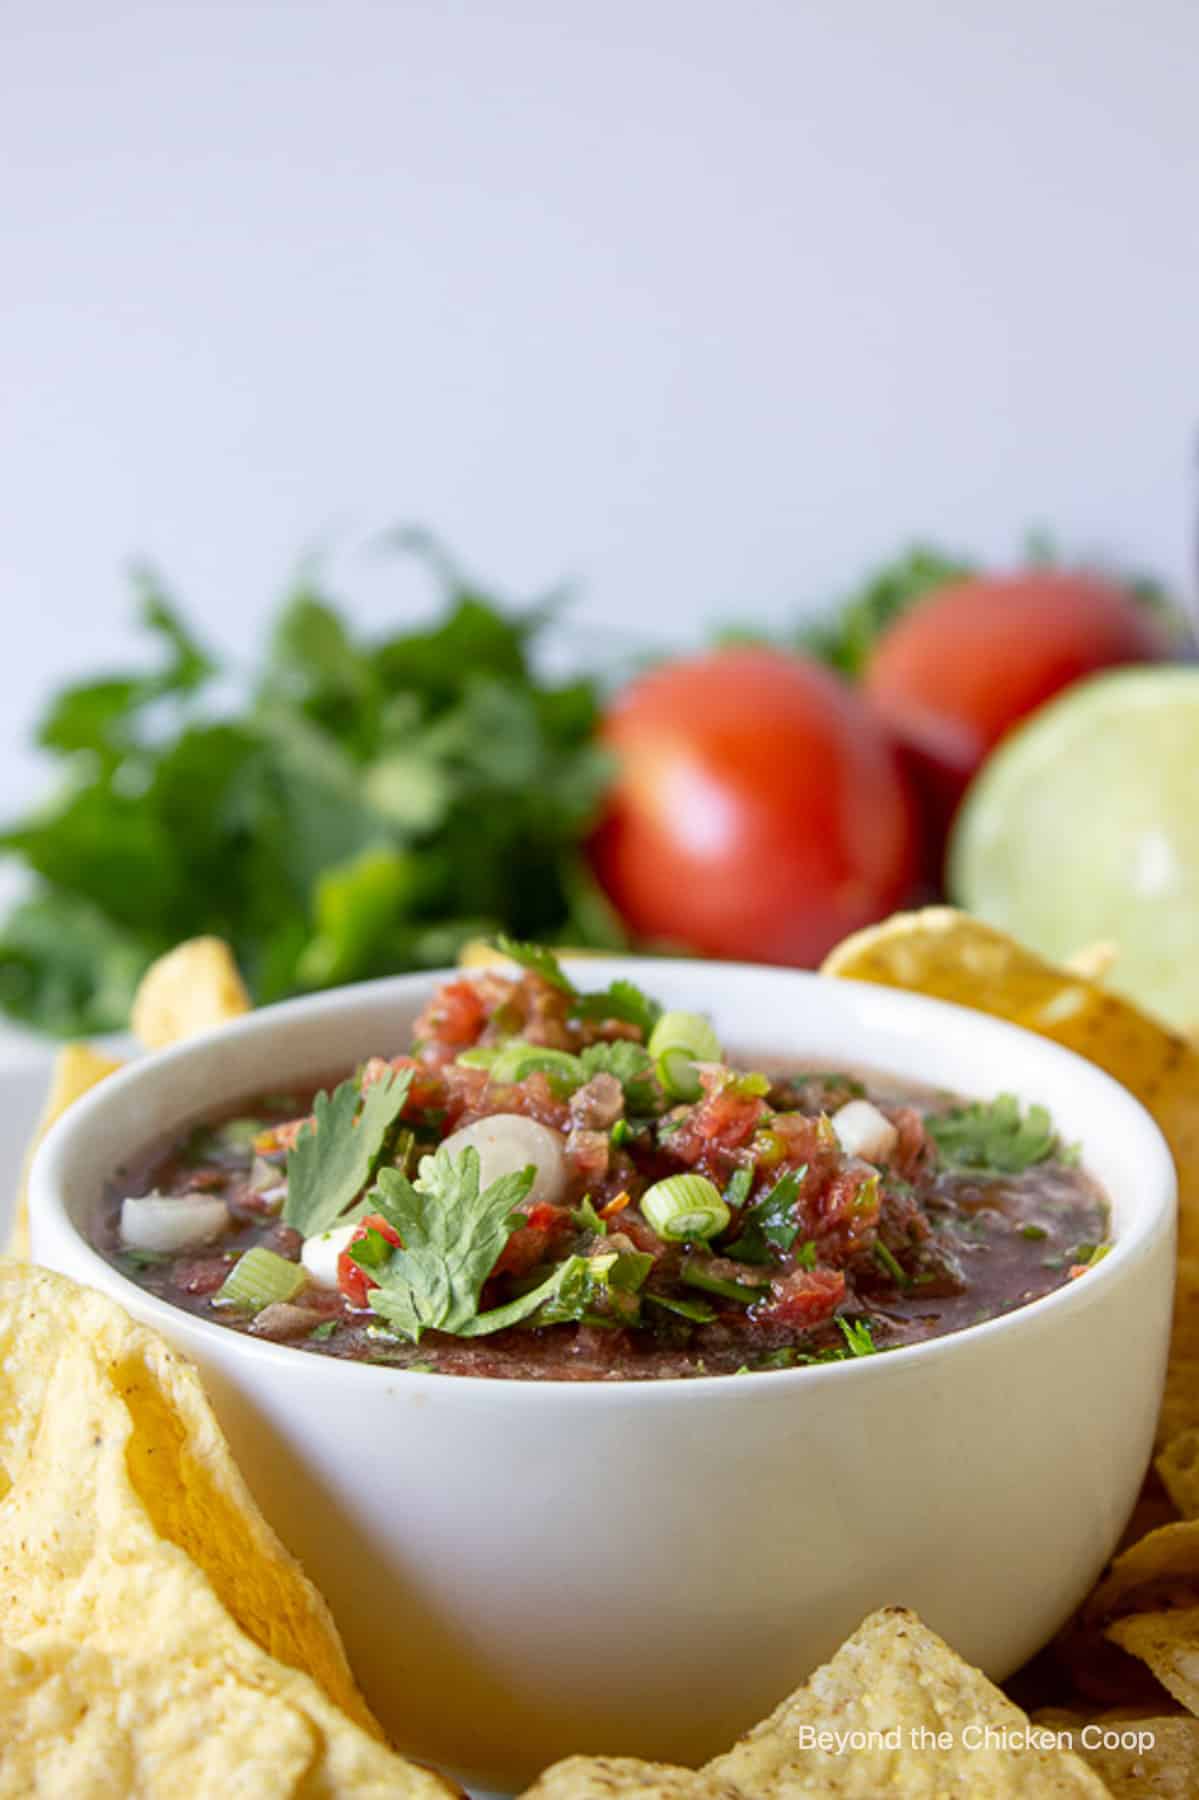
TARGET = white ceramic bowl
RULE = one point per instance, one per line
(525, 1569)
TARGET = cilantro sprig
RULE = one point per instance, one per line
(453, 1232)
(318, 806)
(338, 1151)
(994, 1137)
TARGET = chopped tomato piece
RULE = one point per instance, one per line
(426, 1088)
(353, 1281)
(806, 1298)
(531, 1243)
(455, 1015)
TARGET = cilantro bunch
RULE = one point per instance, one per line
(361, 806)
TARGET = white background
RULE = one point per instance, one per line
(707, 305)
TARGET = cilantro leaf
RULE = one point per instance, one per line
(771, 1222)
(538, 959)
(453, 1234)
(994, 1136)
(337, 1153)
(623, 1000)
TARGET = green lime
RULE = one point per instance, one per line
(1084, 826)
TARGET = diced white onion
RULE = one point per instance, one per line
(862, 1130)
(319, 1255)
(507, 1143)
(171, 1222)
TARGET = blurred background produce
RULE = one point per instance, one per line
(710, 315)
(352, 805)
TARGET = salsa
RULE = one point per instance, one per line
(559, 1185)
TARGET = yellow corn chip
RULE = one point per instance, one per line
(1138, 1755)
(137, 1575)
(624, 1778)
(77, 1067)
(1094, 961)
(895, 1713)
(1178, 1466)
(192, 988)
(1168, 1642)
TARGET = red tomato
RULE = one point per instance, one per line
(967, 663)
(353, 1281)
(758, 811)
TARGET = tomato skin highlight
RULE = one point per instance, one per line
(758, 811)
(967, 663)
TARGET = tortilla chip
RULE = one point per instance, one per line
(1168, 1642)
(624, 1778)
(197, 1733)
(193, 988)
(134, 1561)
(1138, 1755)
(77, 1067)
(900, 1700)
(912, 1700)
(1178, 1466)
(1094, 961)
(953, 957)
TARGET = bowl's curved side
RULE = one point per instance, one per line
(525, 1569)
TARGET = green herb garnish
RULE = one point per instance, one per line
(740, 1183)
(888, 1263)
(994, 1137)
(693, 1274)
(587, 1219)
(144, 1259)
(622, 1000)
(335, 1155)
(597, 1290)
(632, 1067)
(857, 1335)
(537, 958)
(771, 1223)
(453, 1233)
(320, 1334)
(321, 810)
(696, 1310)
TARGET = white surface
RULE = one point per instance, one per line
(524, 1569)
(707, 305)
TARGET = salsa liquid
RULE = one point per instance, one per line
(849, 1256)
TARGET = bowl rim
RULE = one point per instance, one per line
(1155, 1214)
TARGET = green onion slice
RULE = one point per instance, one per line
(677, 1042)
(258, 1279)
(684, 1207)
